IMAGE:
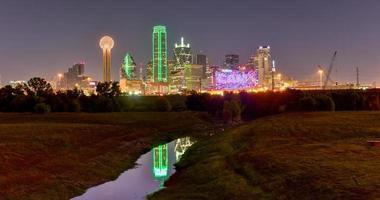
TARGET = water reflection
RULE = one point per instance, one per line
(181, 146)
(150, 174)
(160, 163)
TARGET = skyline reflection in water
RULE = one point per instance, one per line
(149, 175)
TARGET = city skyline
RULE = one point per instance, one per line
(297, 47)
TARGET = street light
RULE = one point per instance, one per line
(320, 72)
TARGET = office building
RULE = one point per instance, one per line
(73, 78)
(128, 68)
(231, 61)
(182, 52)
(263, 62)
(129, 81)
(159, 58)
(201, 59)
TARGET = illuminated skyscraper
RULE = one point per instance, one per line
(106, 43)
(128, 68)
(182, 52)
(231, 61)
(263, 62)
(159, 59)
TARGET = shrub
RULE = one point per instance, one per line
(232, 110)
(103, 104)
(19, 103)
(42, 108)
(348, 100)
(123, 104)
(74, 105)
(163, 105)
(324, 103)
(307, 103)
(373, 102)
(197, 102)
(227, 112)
(236, 109)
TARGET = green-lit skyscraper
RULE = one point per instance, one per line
(160, 63)
(128, 68)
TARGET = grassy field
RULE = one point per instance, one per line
(292, 156)
(58, 156)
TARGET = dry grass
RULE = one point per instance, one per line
(58, 156)
(292, 156)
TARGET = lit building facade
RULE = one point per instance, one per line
(128, 68)
(182, 52)
(201, 59)
(159, 57)
(129, 83)
(149, 72)
(74, 78)
(234, 79)
(263, 62)
(231, 61)
(193, 77)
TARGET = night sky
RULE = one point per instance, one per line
(45, 37)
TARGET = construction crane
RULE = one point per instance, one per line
(331, 66)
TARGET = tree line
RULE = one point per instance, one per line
(38, 96)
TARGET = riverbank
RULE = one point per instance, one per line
(322, 155)
(59, 156)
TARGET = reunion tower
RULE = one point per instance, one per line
(106, 43)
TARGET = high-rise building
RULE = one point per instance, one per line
(182, 52)
(159, 59)
(148, 72)
(128, 68)
(201, 59)
(263, 62)
(231, 61)
(106, 43)
(77, 69)
(74, 77)
(193, 76)
(129, 81)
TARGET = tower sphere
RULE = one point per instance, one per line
(106, 43)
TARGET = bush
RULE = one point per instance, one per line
(22, 103)
(103, 104)
(307, 103)
(197, 101)
(348, 100)
(232, 110)
(163, 105)
(227, 112)
(325, 103)
(42, 108)
(74, 105)
(123, 104)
